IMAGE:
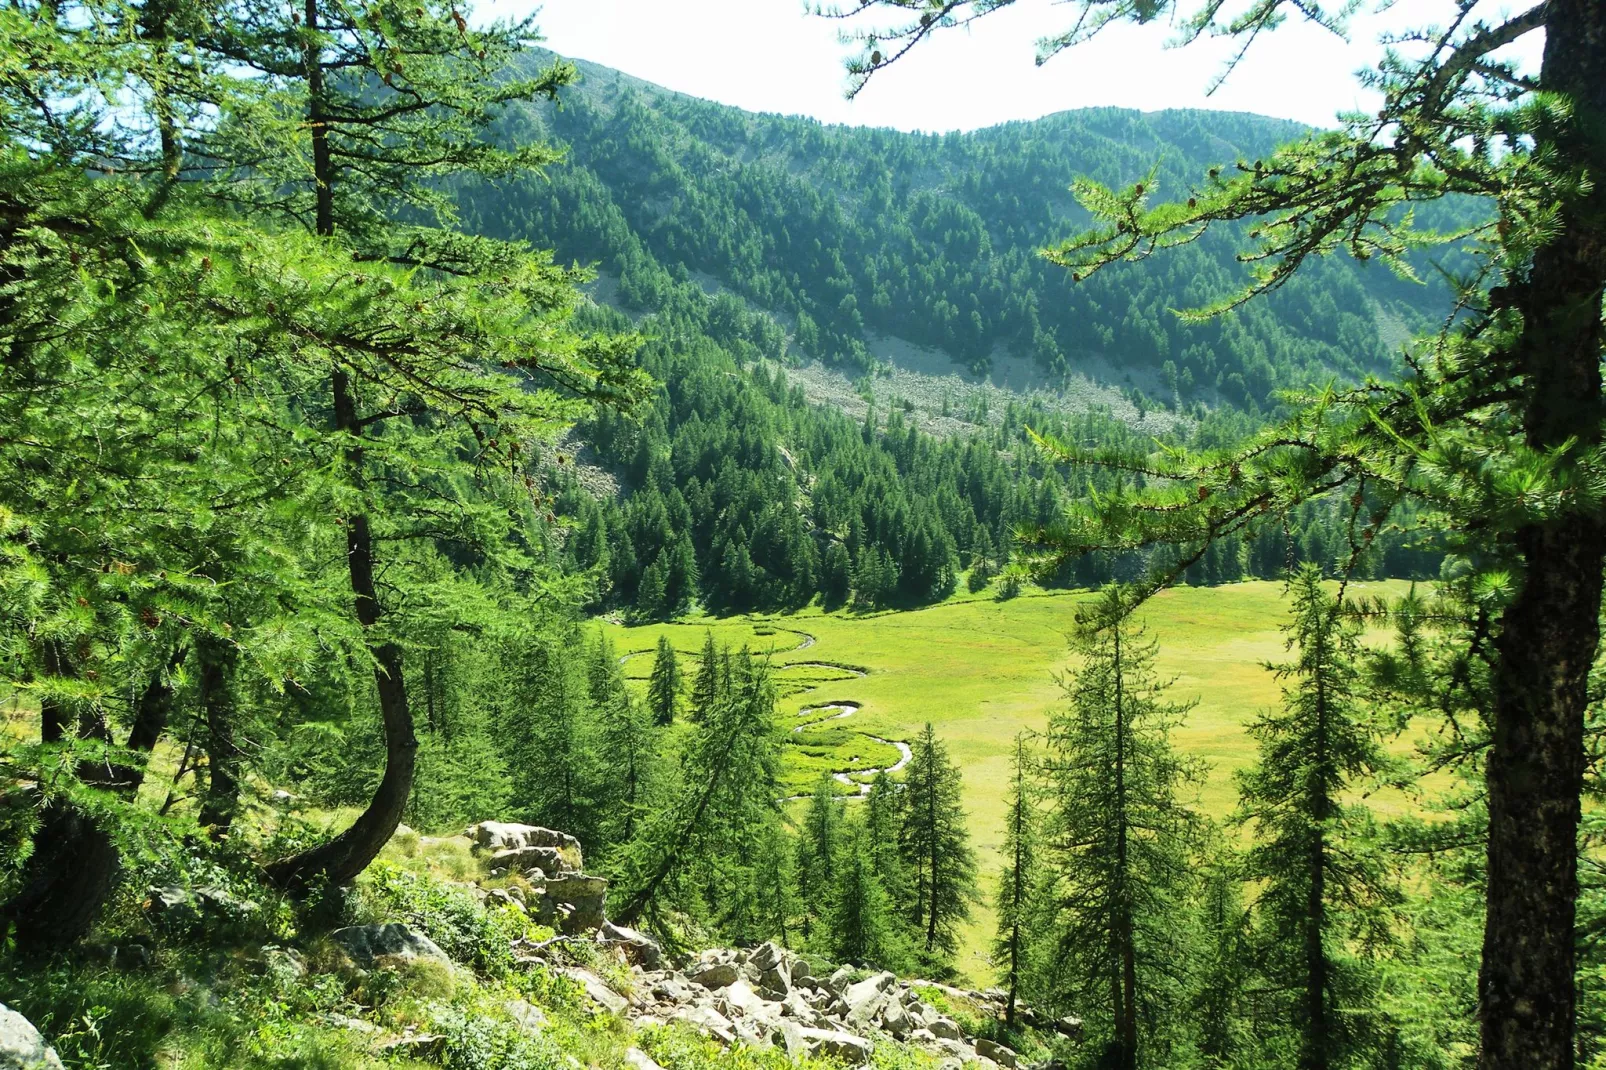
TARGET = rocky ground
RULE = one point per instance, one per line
(760, 996)
(764, 996)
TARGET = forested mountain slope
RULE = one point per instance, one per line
(851, 234)
(745, 244)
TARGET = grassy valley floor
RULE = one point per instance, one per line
(856, 685)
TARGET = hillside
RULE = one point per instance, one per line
(873, 246)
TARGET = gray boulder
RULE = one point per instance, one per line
(866, 999)
(839, 981)
(895, 1019)
(530, 1019)
(637, 1059)
(716, 974)
(549, 860)
(179, 909)
(999, 1054)
(944, 1028)
(367, 943)
(1069, 1026)
(502, 835)
(21, 1046)
(708, 1020)
(597, 990)
(577, 902)
(802, 1040)
(640, 948)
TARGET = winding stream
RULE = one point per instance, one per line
(835, 711)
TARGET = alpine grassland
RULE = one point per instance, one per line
(982, 669)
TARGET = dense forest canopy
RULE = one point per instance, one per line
(846, 234)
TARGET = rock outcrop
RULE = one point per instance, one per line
(21, 1046)
(366, 945)
(763, 996)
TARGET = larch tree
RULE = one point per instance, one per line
(663, 687)
(1016, 898)
(862, 930)
(936, 848)
(369, 113)
(727, 797)
(706, 688)
(1117, 838)
(1494, 424)
(1322, 884)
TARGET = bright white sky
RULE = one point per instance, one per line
(770, 55)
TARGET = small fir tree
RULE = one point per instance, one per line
(1016, 900)
(1323, 886)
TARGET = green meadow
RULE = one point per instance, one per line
(982, 670)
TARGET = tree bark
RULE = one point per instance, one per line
(74, 864)
(1550, 633)
(222, 749)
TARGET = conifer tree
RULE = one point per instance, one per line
(627, 754)
(819, 844)
(936, 848)
(705, 691)
(1322, 884)
(883, 819)
(1216, 1003)
(728, 794)
(1017, 883)
(552, 733)
(663, 689)
(1119, 860)
(349, 137)
(862, 929)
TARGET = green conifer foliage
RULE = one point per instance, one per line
(1120, 833)
(1324, 891)
(1016, 897)
(711, 829)
(1501, 410)
(663, 688)
(862, 929)
(936, 849)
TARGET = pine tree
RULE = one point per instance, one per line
(818, 847)
(663, 689)
(552, 739)
(883, 819)
(1119, 861)
(627, 752)
(1017, 883)
(936, 848)
(1322, 883)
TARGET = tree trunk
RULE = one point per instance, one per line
(1550, 633)
(222, 750)
(1314, 1056)
(74, 864)
(1126, 1018)
(341, 859)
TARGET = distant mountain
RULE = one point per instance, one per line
(861, 243)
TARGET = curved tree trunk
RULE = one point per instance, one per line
(340, 860)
